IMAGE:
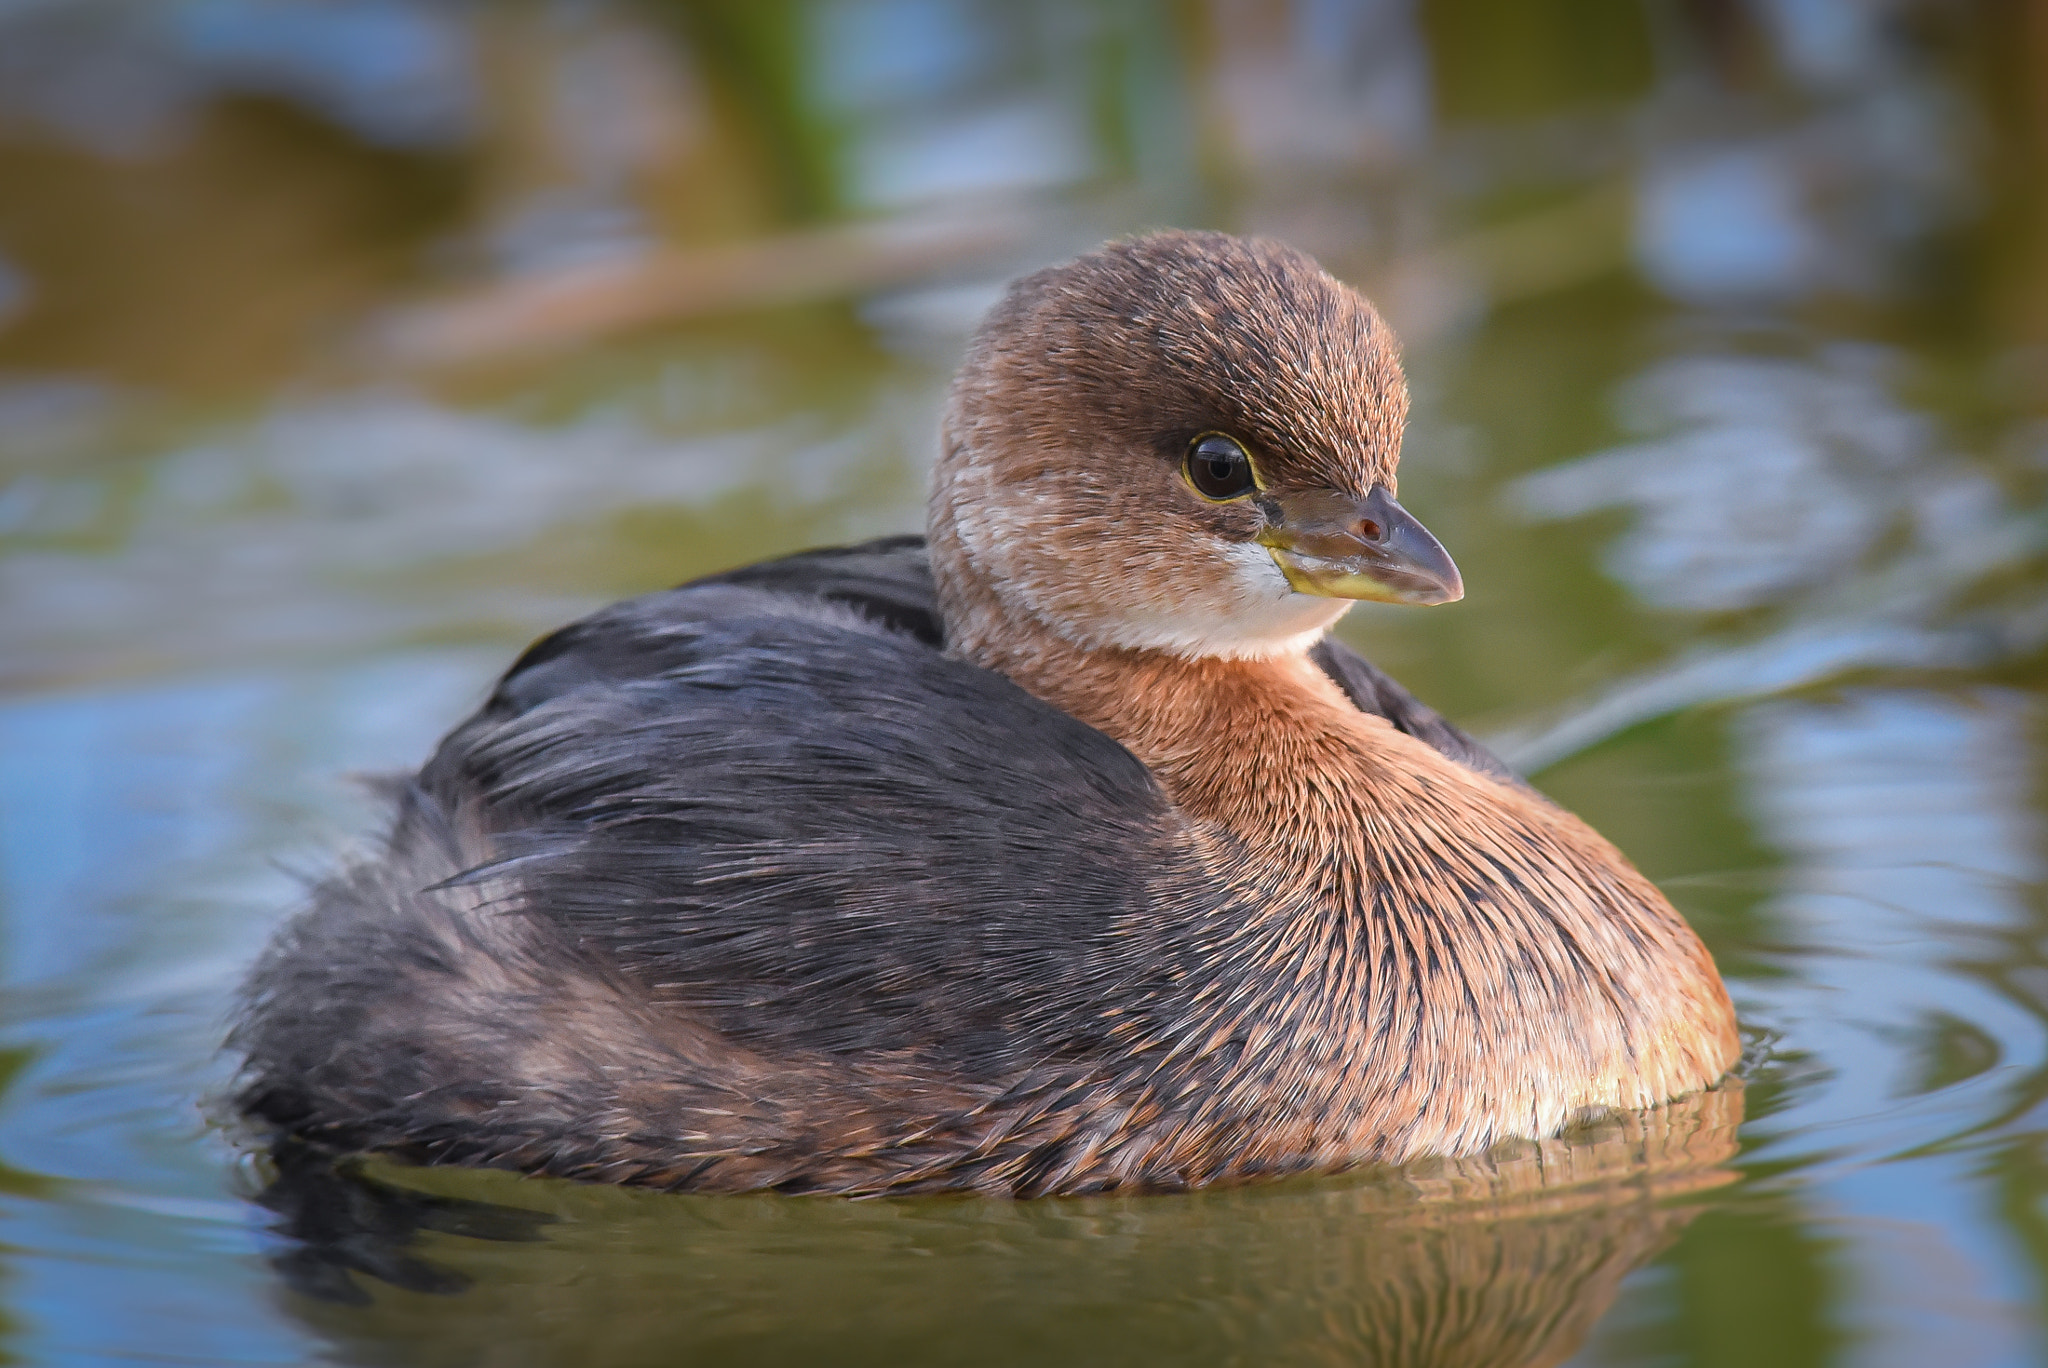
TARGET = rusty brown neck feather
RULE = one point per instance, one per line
(1231, 741)
(1544, 975)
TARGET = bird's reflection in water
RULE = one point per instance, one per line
(1500, 1261)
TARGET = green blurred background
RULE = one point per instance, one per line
(346, 346)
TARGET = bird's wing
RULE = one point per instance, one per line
(770, 793)
(815, 831)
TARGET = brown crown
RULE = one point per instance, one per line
(1161, 337)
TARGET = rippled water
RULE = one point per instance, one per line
(343, 348)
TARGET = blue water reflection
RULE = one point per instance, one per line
(1913, 839)
(1725, 225)
(132, 890)
(1726, 330)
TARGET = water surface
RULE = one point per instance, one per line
(343, 348)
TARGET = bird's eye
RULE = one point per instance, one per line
(1218, 468)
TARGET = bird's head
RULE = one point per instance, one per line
(1182, 442)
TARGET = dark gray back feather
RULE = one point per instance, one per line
(719, 872)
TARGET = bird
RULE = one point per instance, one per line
(1058, 850)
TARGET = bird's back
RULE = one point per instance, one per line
(748, 884)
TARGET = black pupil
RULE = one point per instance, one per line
(1220, 469)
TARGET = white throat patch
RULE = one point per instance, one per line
(1256, 613)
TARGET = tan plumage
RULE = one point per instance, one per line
(748, 885)
(1547, 977)
(1561, 979)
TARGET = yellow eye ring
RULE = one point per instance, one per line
(1218, 468)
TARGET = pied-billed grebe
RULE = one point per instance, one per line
(1068, 855)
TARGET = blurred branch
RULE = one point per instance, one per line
(550, 310)
(1551, 249)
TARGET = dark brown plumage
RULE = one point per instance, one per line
(1070, 858)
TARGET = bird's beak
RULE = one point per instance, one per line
(1341, 546)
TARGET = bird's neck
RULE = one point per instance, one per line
(1527, 969)
(1267, 748)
